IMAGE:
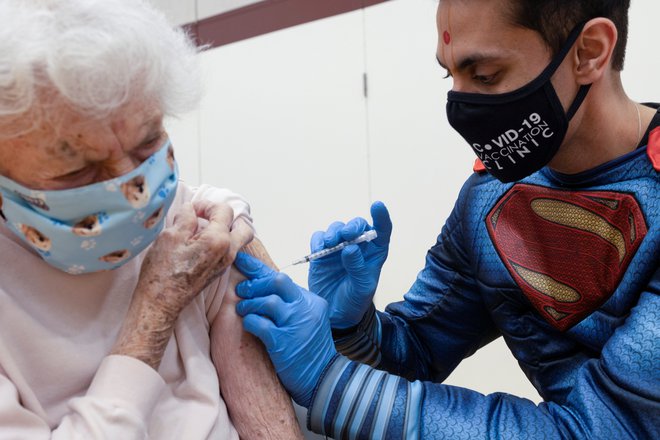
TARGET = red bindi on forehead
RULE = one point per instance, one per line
(446, 37)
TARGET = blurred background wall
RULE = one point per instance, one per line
(313, 122)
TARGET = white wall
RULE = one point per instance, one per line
(207, 8)
(284, 122)
(640, 75)
(186, 11)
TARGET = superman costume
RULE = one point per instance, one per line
(565, 269)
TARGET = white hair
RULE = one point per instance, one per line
(95, 55)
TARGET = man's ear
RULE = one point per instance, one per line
(594, 50)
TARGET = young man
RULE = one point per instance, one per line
(553, 244)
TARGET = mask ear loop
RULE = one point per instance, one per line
(568, 45)
(554, 65)
(581, 94)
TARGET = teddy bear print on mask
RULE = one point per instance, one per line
(88, 227)
(136, 192)
(39, 202)
(170, 157)
(154, 218)
(36, 238)
(116, 256)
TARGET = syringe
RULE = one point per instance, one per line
(367, 236)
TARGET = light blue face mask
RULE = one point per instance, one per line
(95, 227)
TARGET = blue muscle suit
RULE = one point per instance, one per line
(565, 269)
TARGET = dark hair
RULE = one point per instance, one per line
(554, 20)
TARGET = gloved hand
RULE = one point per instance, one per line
(348, 280)
(291, 322)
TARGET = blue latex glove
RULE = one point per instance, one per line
(291, 322)
(348, 280)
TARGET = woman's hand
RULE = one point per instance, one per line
(185, 258)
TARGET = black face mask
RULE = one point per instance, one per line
(516, 133)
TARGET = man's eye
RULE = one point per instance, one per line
(484, 79)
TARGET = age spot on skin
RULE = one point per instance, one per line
(62, 150)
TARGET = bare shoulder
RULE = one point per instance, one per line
(257, 249)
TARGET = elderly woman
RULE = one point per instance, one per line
(117, 318)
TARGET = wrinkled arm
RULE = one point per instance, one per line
(258, 404)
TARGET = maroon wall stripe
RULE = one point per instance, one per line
(267, 16)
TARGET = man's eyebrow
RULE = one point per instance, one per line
(470, 60)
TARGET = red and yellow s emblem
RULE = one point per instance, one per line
(566, 250)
